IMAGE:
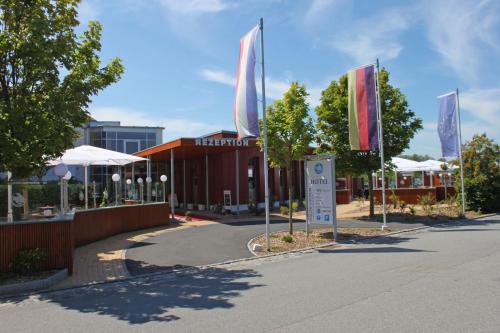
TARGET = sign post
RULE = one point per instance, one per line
(321, 191)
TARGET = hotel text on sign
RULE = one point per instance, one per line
(320, 206)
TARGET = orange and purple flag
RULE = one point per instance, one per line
(362, 109)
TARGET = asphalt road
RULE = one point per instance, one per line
(443, 279)
(211, 244)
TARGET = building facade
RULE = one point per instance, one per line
(218, 169)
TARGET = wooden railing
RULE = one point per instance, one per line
(95, 224)
(59, 237)
(56, 237)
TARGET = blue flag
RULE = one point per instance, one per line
(447, 124)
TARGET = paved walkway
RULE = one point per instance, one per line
(102, 260)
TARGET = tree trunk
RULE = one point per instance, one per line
(290, 197)
(370, 192)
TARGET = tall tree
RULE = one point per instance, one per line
(399, 122)
(290, 130)
(481, 157)
(48, 75)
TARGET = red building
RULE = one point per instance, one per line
(211, 168)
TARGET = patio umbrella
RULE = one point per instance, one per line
(90, 155)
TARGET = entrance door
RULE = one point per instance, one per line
(131, 146)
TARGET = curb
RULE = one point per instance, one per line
(337, 244)
(30, 286)
(352, 242)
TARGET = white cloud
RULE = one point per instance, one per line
(174, 127)
(374, 37)
(217, 75)
(461, 32)
(274, 88)
(88, 10)
(365, 39)
(482, 103)
(427, 140)
(195, 6)
(320, 10)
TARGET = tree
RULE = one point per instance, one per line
(399, 122)
(290, 130)
(481, 174)
(47, 78)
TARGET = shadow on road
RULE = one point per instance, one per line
(155, 298)
(139, 267)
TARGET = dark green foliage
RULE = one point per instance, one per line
(481, 157)
(287, 238)
(48, 75)
(290, 131)
(29, 261)
(399, 123)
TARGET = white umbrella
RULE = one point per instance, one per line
(404, 165)
(90, 155)
(433, 165)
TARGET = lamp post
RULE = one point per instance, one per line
(148, 182)
(66, 179)
(129, 182)
(10, 216)
(163, 179)
(116, 179)
(93, 193)
(60, 171)
(140, 182)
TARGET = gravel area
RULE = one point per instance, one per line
(316, 237)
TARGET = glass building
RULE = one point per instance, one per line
(111, 135)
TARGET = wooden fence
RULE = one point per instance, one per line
(60, 237)
(56, 237)
(95, 224)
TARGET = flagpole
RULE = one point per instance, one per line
(460, 155)
(381, 147)
(266, 172)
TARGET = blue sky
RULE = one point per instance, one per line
(180, 57)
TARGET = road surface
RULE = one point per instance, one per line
(214, 243)
(442, 279)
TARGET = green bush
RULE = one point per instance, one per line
(287, 238)
(29, 261)
(481, 175)
(412, 209)
(295, 206)
(284, 210)
(188, 216)
(427, 203)
(393, 199)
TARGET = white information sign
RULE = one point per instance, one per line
(320, 196)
